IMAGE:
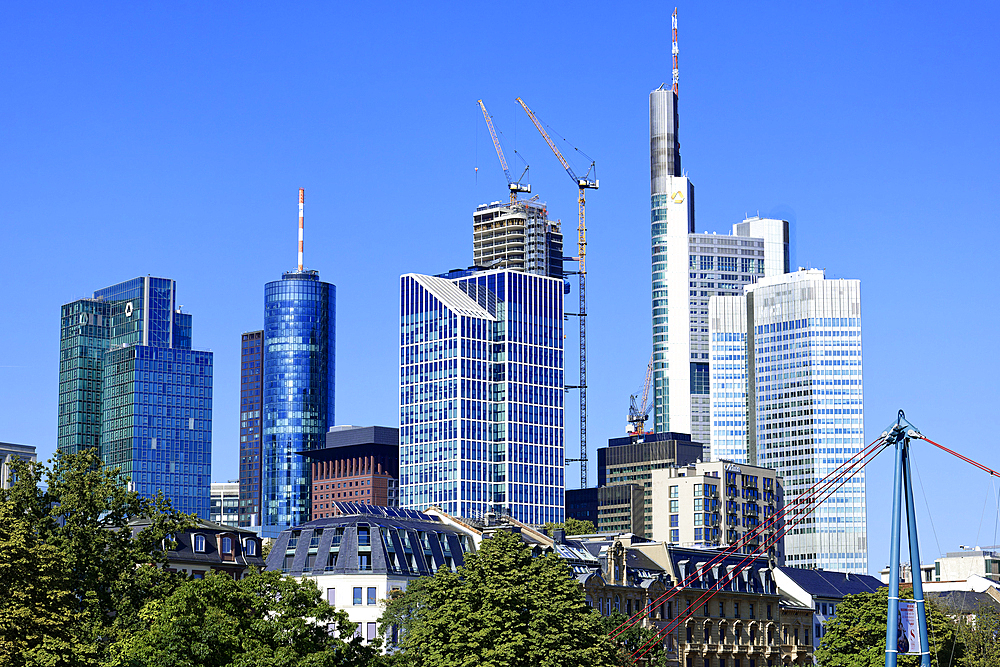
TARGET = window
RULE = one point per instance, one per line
(227, 545)
(251, 547)
(673, 491)
(331, 596)
(698, 533)
(675, 535)
(357, 595)
(199, 543)
(364, 561)
(736, 609)
(372, 595)
(751, 610)
(197, 574)
(697, 489)
(722, 610)
(674, 505)
(371, 631)
(674, 521)
(769, 612)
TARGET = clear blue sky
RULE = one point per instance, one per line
(170, 139)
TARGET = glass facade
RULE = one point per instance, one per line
(728, 380)
(481, 395)
(805, 403)
(299, 369)
(251, 402)
(131, 385)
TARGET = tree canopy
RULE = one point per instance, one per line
(571, 526)
(503, 608)
(855, 637)
(74, 577)
(263, 620)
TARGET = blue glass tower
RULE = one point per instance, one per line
(131, 385)
(481, 394)
(300, 314)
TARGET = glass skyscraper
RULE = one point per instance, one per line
(299, 368)
(251, 401)
(792, 345)
(131, 385)
(481, 394)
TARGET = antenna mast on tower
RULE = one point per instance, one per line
(674, 50)
(302, 201)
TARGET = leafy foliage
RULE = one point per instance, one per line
(74, 576)
(504, 608)
(263, 620)
(571, 526)
(981, 638)
(855, 637)
(630, 640)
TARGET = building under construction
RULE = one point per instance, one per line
(517, 236)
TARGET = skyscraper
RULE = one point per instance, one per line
(299, 369)
(798, 344)
(481, 394)
(131, 385)
(688, 269)
(671, 219)
(517, 236)
(251, 402)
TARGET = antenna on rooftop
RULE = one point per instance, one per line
(674, 50)
(302, 201)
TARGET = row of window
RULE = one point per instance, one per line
(226, 545)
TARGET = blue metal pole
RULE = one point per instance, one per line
(891, 630)
(918, 586)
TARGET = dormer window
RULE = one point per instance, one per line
(199, 543)
(227, 545)
(251, 547)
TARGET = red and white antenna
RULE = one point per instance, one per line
(674, 50)
(302, 201)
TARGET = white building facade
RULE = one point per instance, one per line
(481, 394)
(804, 401)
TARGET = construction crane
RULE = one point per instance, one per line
(512, 185)
(583, 184)
(638, 413)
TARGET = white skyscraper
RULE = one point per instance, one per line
(787, 393)
(687, 270)
(481, 394)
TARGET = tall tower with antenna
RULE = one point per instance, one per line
(671, 220)
(299, 369)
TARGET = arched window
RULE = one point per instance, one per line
(199, 543)
(251, 547)
(227, 545)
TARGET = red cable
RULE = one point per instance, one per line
(964, 458)
(649, 644)
(753, 534)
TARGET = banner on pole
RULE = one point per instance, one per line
(908, 639)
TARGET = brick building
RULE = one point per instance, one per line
(359, 464)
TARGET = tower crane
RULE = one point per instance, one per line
(512, 185)
(583, 184)
(638, 413)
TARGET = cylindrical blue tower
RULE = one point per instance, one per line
(299, 371)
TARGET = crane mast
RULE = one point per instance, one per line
(583, 184)
(512, 185)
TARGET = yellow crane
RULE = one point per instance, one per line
(583, 184)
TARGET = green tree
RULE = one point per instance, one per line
(263, 620)
(503, 608)
(73, 576)
(855, 637)
(981, 638)
(629, 641)
(571, 526)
